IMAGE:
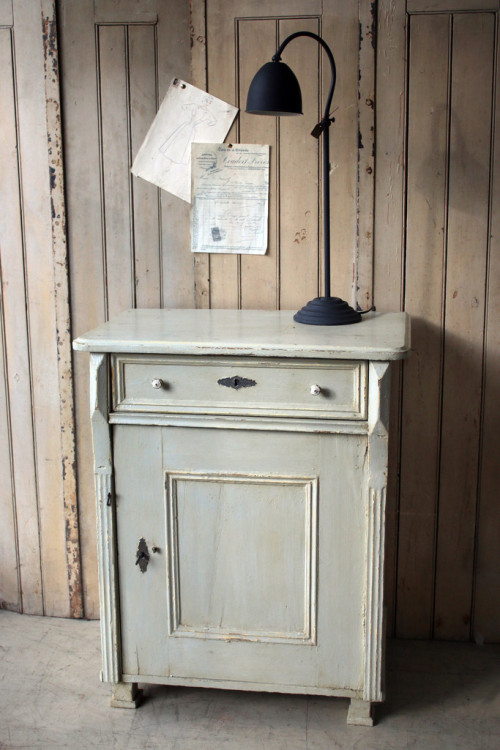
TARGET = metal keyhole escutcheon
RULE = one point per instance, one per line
(237, 382)
(142, 555)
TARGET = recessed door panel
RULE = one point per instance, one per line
(236, 569)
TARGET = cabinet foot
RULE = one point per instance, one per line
(125, 695)
(360, 713)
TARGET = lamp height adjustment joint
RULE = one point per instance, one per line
(318, 129)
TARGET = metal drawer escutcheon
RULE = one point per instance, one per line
(237, 382)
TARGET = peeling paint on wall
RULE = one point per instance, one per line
(61, 292)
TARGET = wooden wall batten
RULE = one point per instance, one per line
(437, 179)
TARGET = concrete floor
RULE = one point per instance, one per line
(440, 696)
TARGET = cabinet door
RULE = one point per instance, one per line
(258, 574)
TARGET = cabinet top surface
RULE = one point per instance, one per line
(250, 333)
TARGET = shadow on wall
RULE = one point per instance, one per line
(448, 561)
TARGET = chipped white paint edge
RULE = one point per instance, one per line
(62, 306)
(106, 526)
(378, 420)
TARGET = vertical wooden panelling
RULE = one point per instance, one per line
(299, 171)
(61, 305)
(487, 605)
(40, 301)
(221, 82)
(198, 27)
(10, 589)
(242, 30)
(469, 182)
(127, 245)
(18, 427)
(146, 220)
(39, 530)
(10, 250)
(259, 275)
(82, 169)
(118, 243)
(366, 154)
(340, 28)
(447, 557)
(388, 239)
(425, 273)
(173, 60)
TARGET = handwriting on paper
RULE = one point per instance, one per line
(230, 198)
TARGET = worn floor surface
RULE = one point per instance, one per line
(440, 696)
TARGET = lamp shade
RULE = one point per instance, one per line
(274, 91)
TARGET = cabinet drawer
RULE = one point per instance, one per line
(215, 385)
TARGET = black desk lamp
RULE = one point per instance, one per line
(275, 91)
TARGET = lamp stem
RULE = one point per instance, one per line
(326, 206)
(325, 132)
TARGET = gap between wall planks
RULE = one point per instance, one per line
(16, 401)
(445, 562)
(487, 561)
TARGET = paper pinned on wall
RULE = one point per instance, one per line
(186, 115)
(230, 191)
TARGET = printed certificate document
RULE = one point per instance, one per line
(230, 198)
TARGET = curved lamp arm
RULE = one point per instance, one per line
(325, 122)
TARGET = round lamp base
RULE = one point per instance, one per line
(327, 311)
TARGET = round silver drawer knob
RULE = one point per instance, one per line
(157, 383)
(315, 390)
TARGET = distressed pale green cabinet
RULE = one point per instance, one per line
(241, 471)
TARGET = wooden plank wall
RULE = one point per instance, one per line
(241, 36)
(127, 242)
(436, 255)
(39, 545)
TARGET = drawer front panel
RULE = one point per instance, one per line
(214, 385)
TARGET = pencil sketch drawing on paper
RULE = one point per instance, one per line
(187, 115)
(177, 147)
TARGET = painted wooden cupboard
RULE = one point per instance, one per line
(241, 471)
